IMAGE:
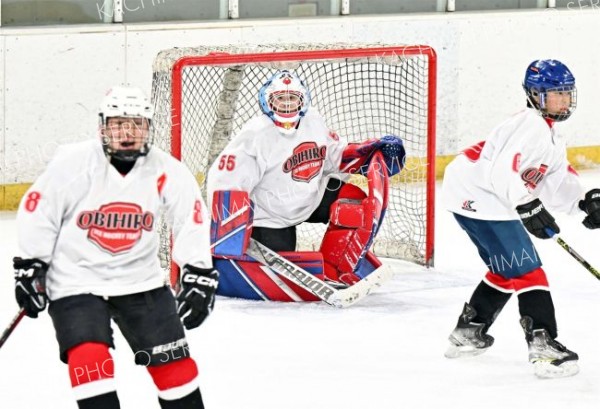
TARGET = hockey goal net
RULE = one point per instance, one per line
(203, 96)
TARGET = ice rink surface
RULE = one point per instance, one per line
(384, 353)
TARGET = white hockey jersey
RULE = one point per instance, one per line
(285, 175)
(97, 229)
(523, 159)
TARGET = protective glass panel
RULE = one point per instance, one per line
(579, 4)
(169, 10)
(464, 5)
(49, 12)
(285, 8)
(404, 6)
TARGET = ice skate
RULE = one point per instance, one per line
(468, 338)
(550, 358)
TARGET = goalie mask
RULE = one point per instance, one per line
(285, 99)
(550, 88)
(125, 116)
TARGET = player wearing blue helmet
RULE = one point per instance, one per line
(498, 190)
(550, 88)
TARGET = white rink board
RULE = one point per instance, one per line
(54, 83)
(55, 76)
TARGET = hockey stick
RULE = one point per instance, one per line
(13, 324)
(573, 253)
(331, 295)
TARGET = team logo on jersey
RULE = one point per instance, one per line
(306, 161)
(115, 227)
(467, 205)
(533, 176)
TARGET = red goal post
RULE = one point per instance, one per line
(202, 97)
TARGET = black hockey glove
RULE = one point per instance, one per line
(536, 219)
(591, 205)
(30, 285)
(197, 296)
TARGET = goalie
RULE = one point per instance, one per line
(283, 168)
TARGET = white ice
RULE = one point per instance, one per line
(386, 352)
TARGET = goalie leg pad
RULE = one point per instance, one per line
(249, 279)
(231, 222)
(176, 379)
(91, 370)
(349, 233)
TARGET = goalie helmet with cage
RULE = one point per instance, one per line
(545, 76)
(125, 116)
(285, 100)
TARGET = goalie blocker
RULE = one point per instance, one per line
(342, 260)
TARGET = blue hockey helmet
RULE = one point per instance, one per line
(285, 100)
(543, 76)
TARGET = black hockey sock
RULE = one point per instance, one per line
(105, 401)
(488, 302)
(538, 305)
(191, 401)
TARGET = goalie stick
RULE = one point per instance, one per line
(336, 297)
(573, 253)
(13, 324)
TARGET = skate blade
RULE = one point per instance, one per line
(546, 370)
(463, 351)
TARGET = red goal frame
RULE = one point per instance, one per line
(282, 56)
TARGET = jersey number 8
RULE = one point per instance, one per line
(32, 201)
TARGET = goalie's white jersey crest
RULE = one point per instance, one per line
(306, 161)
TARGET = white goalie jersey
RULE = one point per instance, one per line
(285, 175)
(97, 229)
(523, 159)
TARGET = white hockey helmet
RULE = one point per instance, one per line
(125, 102)
(285, 99)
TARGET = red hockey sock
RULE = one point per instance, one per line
(91, 370)
(534, 280)
(175, 380)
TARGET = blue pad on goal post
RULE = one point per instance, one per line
(231, 223)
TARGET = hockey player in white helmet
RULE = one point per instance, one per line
(88, 245)
(125, 116)
(504, 187)
(284, 168)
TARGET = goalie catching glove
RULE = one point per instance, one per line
(196, 299)
(536, 219)
(30, 285)
(591, 206)
(357, 156)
